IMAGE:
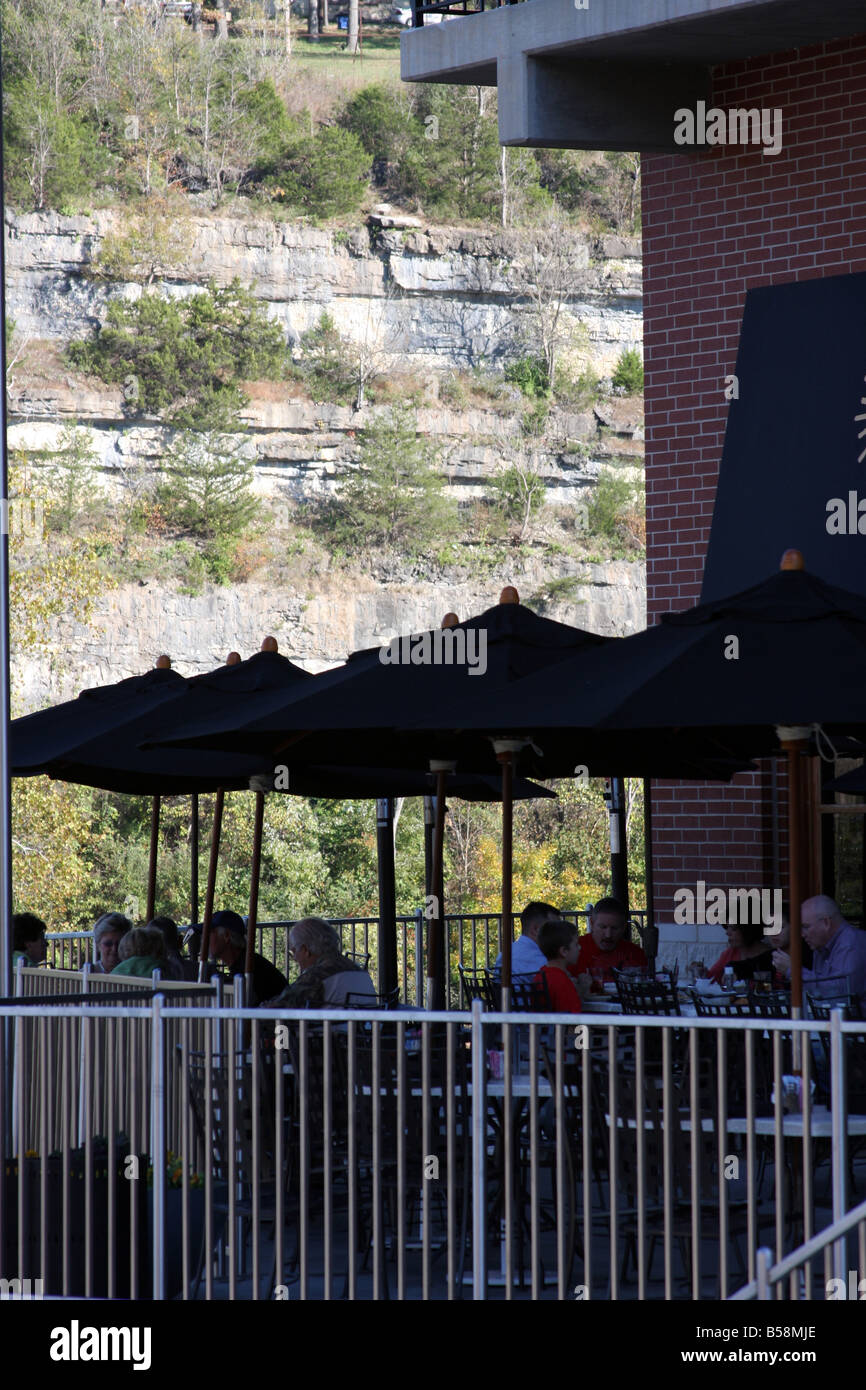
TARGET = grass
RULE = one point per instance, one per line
(378, 61)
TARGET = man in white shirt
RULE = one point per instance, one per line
(527, 957)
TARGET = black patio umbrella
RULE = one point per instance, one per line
(754, 673)
(402, 706)
(93, 740)
(352, 712)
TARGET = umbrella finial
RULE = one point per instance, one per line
(270, 645)
(450, 620)
(509, 595)
(233, 659)
(163, 663)
(792, 560)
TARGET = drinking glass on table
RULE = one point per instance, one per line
(597, 974)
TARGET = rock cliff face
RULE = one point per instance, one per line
(432, 299)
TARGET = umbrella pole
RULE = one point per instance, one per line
(387, 943)
(435, 934)
(154, 851)
(650, 938)
(216, 831)
(254, 894)
(507, 928)
(193, 868)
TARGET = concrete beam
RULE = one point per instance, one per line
(698, 32)
(594, 106)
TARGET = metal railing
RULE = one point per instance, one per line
(221, 1151)
(453, 9)
(473, 942)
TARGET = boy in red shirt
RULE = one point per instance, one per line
(560, 943)
(605, 945)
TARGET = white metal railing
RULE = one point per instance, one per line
(326, 1152)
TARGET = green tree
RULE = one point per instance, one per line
(325, 175)
(327, 360)
(71, 480)
(210, 490)
(379, 115)
(185, 358)
(152, 241)
(53, 156)
(394, 498)
(628, 375)
(454, 168)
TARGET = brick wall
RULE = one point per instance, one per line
(715, 225)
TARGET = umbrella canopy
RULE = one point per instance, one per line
(403, 705)
(721, 676)
(97, 739)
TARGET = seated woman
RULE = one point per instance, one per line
(108, 932)
(560, 944)
(747, 953)
(141, 952)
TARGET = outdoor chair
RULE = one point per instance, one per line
(479, 984)
(654, 997)
(390, 1000)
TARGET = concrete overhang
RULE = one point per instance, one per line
(611, 75)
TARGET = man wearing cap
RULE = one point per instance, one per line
(228, 944)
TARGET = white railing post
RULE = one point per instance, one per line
(158, 1156)
(479, 1155)
(839, 1147)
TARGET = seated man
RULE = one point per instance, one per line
(527, 958)
(838, 949)
(228, 944)
(605, 946)
(560, 944)
(326, 977)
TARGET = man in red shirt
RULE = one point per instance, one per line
(558, 941)
(606, 945)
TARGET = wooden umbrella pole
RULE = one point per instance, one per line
(255, 875)
(154, 851)
(435, 933)
(211, 881)
(507, 761)
(193, 864)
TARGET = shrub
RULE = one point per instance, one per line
(577, 392)
(530, 374)
(628, 375)
(380, 118)
(325, 174)
(614, 509)
(186, 357)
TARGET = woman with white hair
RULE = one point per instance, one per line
(108, 932)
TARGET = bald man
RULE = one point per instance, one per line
(838, 949)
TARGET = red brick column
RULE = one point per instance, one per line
(715, 225)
